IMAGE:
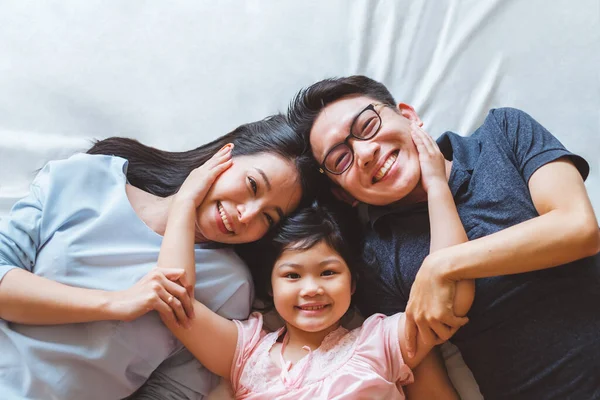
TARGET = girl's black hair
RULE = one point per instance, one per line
(336, 225)
(162, 172)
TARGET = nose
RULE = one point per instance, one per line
(365, 151)
(247, 212)
(311, 287)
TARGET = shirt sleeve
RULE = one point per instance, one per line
(532, 145)
(250, 333)
(378, 344)
(21, 230)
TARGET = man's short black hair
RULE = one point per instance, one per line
(306, 106)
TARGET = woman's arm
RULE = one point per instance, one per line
(211, 338)
(52, 303)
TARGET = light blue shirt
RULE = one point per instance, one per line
(77, 227)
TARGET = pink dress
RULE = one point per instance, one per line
(364, 363)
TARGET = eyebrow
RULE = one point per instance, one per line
(321, 264)
(347, 127)
(268, 185)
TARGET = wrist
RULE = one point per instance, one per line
(107, 306)
(441, 265)
(438, 188)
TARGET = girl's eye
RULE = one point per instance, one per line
(253, 184)
(292, 275)
(270, 220)
(328, 273)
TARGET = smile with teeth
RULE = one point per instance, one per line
(385, 167)
(313, 308)
(224, 218)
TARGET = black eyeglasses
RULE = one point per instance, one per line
(365, 126)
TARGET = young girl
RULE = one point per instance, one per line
(312, 265)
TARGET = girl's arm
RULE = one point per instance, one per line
(431, 378)
(211, 338)
(182, 214)
(446, 230)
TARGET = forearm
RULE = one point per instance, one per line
(552, 239)
(211, 338)
(446, 226)
(30, 299)
(177, 249)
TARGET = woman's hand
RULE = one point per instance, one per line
(199, 181)
(431, 159)
(163, 290)
(430, 308)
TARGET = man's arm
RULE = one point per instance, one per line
(565, 231)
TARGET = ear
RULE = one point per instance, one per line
(353, 289)
(408, 112)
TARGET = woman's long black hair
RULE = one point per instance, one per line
(162, 172)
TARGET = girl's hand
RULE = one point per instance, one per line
(163, 290)
(199, 181)
(431, 159)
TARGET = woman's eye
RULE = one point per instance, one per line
(292, 275)
(270, 220)
(328, 273)
(253, 184)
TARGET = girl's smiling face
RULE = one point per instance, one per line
(248, 199)
(311, 288)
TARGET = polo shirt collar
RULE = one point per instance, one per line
(462, 151)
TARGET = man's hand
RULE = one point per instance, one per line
(430, 312)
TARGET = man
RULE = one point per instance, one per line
(533, 329)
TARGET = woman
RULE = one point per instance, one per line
(78, 256)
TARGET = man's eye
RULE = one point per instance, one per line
(369, 126)
(342, 160)
(270, 220)
(253, 184)
(292, 275)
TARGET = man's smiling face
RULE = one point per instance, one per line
(385, 168)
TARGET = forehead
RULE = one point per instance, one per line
(311, 256)
(332, 125)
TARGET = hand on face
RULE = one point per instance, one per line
(199, 181)
(431, 159)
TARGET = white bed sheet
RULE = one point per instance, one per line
(177, 74)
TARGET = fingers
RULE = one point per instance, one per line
(220, 161)
(175, 308)
(427, 334)
(442, 331)
(410, 336)
(176, 297)
(423, 140)
(181, 294)
(453, 321)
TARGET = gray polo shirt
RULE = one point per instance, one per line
(531, 336)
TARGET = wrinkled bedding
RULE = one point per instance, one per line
(178, 74)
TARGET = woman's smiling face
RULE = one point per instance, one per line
(248, 198)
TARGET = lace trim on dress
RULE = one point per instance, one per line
(335, 350)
